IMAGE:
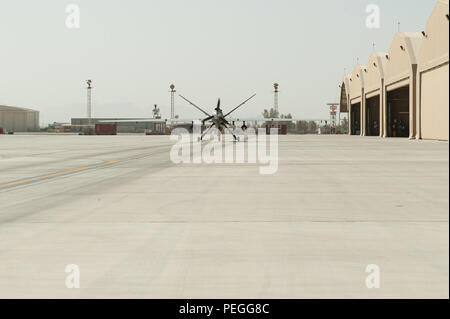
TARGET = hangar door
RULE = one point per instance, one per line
(398, 112)
(373, 116)
(435, 104)
(356, 119)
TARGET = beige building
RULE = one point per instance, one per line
(18, 119)
(345, 94)
(433, 78)
(356, 114)
(374, 94)
(404, 92)
(401, 85)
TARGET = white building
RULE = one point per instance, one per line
(18, 119)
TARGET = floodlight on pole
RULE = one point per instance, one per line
(89, 102)
(276, 92)
(172, 101)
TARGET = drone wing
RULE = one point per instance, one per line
(197, 107)
(240, 105)
(261, 119)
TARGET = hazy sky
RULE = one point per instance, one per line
(134, 49)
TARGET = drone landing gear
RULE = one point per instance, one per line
(236, 138)
(200, 139)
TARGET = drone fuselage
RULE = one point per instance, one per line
(219, 122)
(219, 119)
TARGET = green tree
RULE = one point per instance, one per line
(274, 114)
(312, 127)
(343, 127)
(302, 127)
(270, 114)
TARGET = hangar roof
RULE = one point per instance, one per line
(345, 92)
(434, 50)
(402, 55)
(346, 80)
(15, 109)
(357, 82)
(375, 71)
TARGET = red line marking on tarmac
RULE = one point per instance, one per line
(76, 170)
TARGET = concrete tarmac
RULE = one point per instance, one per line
(139, 226)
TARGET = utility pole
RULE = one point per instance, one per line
(172, 101)
(89, 102)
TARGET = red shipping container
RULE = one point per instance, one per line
(2, 131)
(282, 128)
(105, 129)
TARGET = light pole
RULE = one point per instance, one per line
(89, 102)
(276, 86)
(172, 101)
